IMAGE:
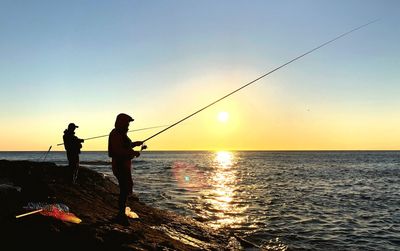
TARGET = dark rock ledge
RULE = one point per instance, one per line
(94, 200)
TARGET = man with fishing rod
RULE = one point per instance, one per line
(73, 147)
(120, 146)
(120, 150)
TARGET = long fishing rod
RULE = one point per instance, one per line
(106, 135)
(262, 76)
(101, 136)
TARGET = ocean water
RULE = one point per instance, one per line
(282, 200)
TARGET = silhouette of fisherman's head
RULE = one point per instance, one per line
(72, 126)
(122, 122)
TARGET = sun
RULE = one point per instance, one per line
(223, 116)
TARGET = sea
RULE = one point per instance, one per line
(281, 200)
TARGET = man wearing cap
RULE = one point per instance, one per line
(73, 147)
(120, 150)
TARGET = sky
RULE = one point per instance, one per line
(159, 61)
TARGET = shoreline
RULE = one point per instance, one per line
(94, 200)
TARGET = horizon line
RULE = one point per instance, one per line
(222, 150)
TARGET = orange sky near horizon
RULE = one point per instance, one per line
(250, 126)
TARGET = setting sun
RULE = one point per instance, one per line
(223, 116)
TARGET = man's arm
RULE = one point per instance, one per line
(118, 150)
(136, 143)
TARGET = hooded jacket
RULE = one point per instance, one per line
(119, 144)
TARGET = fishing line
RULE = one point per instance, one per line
(106, 135)
(101, 136)
(262, 76)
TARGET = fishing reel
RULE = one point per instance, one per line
(143, 147)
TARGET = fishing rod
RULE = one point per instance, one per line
(262, 76)
(102, 136)
(106, 135)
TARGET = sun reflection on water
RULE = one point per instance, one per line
(222, 204)
(224, 159)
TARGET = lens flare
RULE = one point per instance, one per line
(187, 175)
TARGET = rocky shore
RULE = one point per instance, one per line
(94, 200)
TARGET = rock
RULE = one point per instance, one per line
(9, 197)
(94, 200)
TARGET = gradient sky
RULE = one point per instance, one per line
(159, 61)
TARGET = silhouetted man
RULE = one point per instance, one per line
(73, 147)
(120, 150)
